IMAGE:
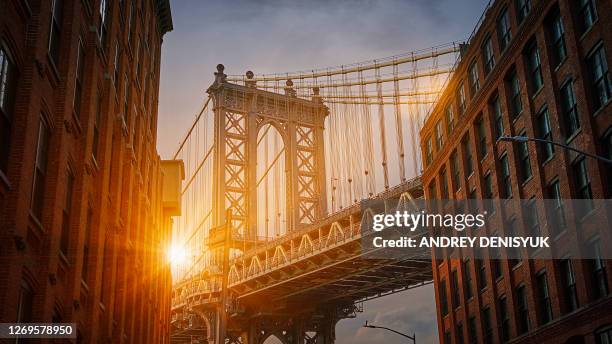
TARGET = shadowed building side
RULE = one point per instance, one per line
(537, 69)
(84, 221)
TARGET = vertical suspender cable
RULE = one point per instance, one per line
(381, 118)
(398, 124)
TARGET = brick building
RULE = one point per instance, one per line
(540, 69)
(83, 222)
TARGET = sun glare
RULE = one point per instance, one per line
(177, 255)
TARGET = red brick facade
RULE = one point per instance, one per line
(99, 259)
(495, 313)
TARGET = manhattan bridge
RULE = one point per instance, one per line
(276, 167)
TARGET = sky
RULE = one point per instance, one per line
(270, 36)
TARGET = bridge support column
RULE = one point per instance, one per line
(326, 333)
(298, 332)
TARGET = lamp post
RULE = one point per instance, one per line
(413, 337)
(522, 139)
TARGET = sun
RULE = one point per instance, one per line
(177, 255)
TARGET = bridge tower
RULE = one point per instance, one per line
(240, 112)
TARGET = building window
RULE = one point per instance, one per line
(443, 299)
(472, 332)
(569, 285)
(428, 151)
(582, 184)
(488, 193)
(86, 245)
(514, 253)
(557, 217)
(545, 133)
(456, 171)
(487, 55)
(469, 165)
(444, 184)
(96, 129)
(68, 195)
(461, 98)
(439, 135)
(604, 336)
(506, 190)
(487, 326)
(557, 34)
(102, 27)
(488, 186)
(496, 263)
(130, 23)
(525, 164)
(481, 273)
(544, 298)
(535, 67)
(522, 9)
(55, 33)
(570, 110)
(522, 310)
(600, 77)
(474, 82)
(588, 14)
(503, 29)
(597, 265)
(482, 138)
(531, 217)
(40, 169)
(447, 338)
(106, 270)
(8, 83)
(467, 278)
(505, 318)
(606, 145)
(116, 64)
(450, 119)
(126, 97)
(514, 85)
(78, 80)
(495, 106)
(455, 299)
(25, 304)
(459, 333)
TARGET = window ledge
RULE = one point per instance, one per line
(602, 107)
(517, 116)
(36, 222)
(537, 92)
(560, 234)
(54, 70)
(586, 32)
(552, 157)
(517, 266)
(4, 179)
(527, 181)
(573, 136)
(560, 64)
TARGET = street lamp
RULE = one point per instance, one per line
(413, 337)
(522, 139)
